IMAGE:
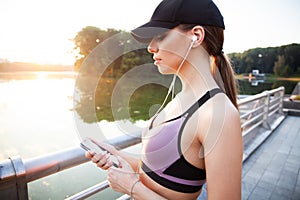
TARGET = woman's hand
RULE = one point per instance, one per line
(122, 179)
(103, 160)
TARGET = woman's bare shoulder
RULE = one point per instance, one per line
(217, 116)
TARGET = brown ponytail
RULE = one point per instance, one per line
(227, 74)
(213, 43)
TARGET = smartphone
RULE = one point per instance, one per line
(87, 144)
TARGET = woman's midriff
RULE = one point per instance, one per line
(165, 192)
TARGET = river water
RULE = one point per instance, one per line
(36, 118)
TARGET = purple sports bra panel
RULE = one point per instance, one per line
(160, 150)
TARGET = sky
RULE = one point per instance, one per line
(41, 30)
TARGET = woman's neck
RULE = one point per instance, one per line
(195, 74)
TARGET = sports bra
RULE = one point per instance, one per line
(162, 158)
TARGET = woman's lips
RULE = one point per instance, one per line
(156, 60)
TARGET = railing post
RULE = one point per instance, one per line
(266, 111)
(281, 93)
(13, 184)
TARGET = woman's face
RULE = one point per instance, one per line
(169, 50)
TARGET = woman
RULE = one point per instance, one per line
(196, 138)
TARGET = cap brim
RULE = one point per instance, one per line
(148, 31)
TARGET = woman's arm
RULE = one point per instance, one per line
(224, 155)
(124, 180)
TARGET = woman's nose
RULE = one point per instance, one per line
(152, 48)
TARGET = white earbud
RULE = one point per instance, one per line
(194, 38)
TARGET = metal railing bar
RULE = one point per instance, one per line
(273, 112)
(275, 103)
(252, 120)
(274, 107)
(246, 132)
(45, 165)
(252, 98)
(277, 98)
(251, 112)
(124, 197)
(276, 90)
(132, 139)
(48, 164)
(259, 96)
(89, 191)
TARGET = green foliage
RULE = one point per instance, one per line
(87, 39)
(267, 60)
(281, 69)
(105, 71)
(283, 60)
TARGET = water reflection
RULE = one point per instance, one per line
(36, 118)
(256, 86)
(34, 113)
(33, 75)
(256, 82)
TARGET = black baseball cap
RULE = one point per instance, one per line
(170, 13)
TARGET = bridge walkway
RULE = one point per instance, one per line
(272, 171)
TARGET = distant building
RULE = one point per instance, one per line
(255, 73)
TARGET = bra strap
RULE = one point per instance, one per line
(201, 101)
(194, 107)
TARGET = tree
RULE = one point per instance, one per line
(86, 40)
(282, 61)
(281, 68)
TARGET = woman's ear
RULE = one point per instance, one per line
(199, 32)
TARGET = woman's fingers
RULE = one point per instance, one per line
(106, 146)
(107, 165)
(103, 160)
(89, 154)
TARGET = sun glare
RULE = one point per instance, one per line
(41, 76)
